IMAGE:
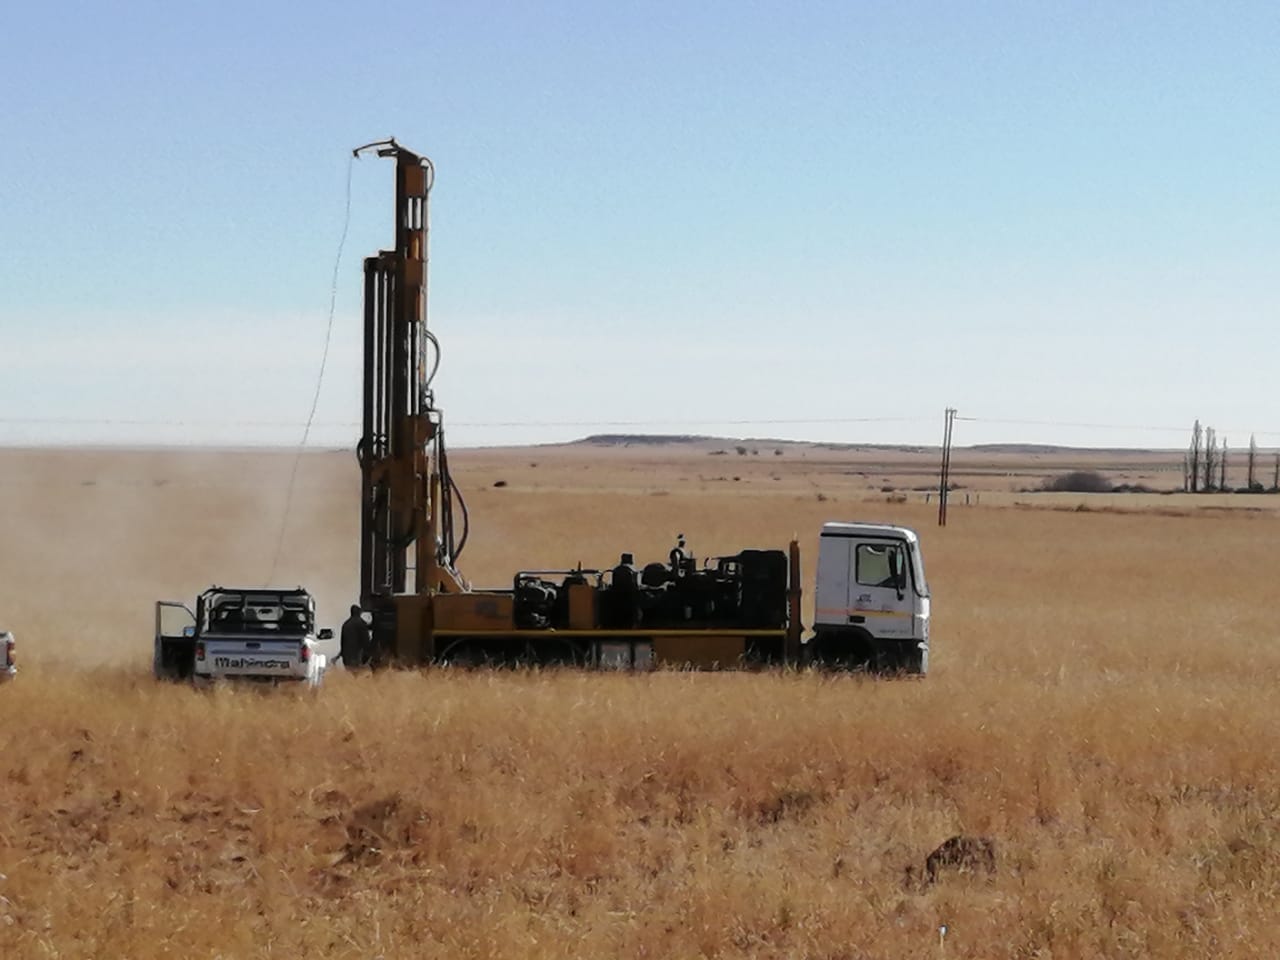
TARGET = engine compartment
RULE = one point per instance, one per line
(747, 590)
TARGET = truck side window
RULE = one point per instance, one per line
(876, 565)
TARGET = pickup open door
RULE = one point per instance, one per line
(174, 656)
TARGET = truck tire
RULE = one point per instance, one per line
(850, 650)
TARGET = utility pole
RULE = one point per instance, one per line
(945, 468)
(1222, 478)
(1253, 460)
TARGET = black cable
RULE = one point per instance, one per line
(444, 548)
(449, 489)
(446, 499)
(315, 397)
(466, 518)
(435, 367)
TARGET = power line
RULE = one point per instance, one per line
(1140, 428)
(1064, 423)
(473, 424)
(134, 422)
(689, 423)
(310, 424)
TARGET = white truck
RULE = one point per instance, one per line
(266, 635)
(8, 656)
(871, 607)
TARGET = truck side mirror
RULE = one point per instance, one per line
(325, 634)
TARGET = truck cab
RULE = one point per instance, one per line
(266, 635)
(871, 608)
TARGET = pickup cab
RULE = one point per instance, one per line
(267, 635)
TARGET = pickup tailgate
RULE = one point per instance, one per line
(253, 658)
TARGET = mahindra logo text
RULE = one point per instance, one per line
(256, 663)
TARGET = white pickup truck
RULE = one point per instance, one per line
(267, 635)
(8, 656)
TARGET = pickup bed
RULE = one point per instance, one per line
(264, 635)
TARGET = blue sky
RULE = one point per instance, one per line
(670, 216)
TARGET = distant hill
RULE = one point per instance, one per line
(643, 439)
(688, 439)
(691, 439)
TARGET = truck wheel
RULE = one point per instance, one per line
(465, 656)
(841, 652)
(563, 654)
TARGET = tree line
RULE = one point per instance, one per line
(1204, 468)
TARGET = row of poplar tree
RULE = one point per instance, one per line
(1204, 468)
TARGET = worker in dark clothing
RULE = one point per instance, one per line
(680, 557)
(357, 640)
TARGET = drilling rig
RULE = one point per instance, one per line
(408, 545)
(741, 610)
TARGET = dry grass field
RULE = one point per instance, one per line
(1102, 704)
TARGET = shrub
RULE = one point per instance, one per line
(1078, 481)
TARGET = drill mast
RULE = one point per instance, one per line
(407, 541)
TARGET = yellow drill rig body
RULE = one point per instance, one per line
(741, 610)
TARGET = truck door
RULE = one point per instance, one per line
(880, 587)
(174, 656)
(835, 575)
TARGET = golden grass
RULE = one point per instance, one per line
(1102, 704)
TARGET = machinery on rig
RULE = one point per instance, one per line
(740, 610)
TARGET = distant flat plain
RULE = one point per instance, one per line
(1101, 704)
